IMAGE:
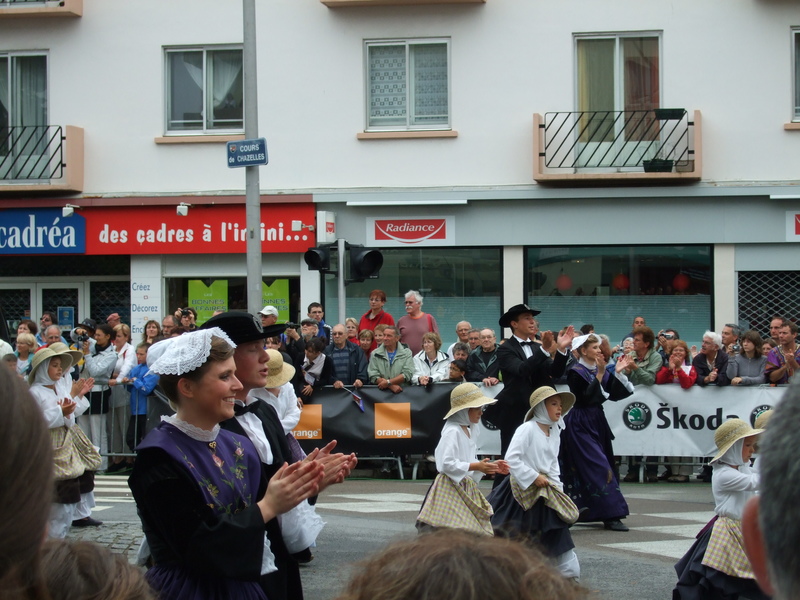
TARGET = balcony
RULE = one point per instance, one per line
(615, 147)
(341, 3)
(11, 9)
(45, 158)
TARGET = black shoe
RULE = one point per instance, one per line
(615, 525)
(116, 467)
(631, 477)
(87, 522)
(665, 475)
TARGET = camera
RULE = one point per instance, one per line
(668, 336)
(185, 312)
(294, 326)
(736, 347)
(79, 337)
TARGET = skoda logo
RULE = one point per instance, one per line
(637, 416)
(754, 414)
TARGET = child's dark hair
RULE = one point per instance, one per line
(460, 364)
(145, 345)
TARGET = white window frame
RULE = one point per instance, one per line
(795, 50)
(408, 42)
(13, 113)
(618, 66)
(205, 129)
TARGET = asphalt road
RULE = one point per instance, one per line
(363, 515)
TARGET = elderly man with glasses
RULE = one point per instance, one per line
(349, 362)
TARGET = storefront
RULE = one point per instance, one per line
(145, 261)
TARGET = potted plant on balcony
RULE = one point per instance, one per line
(660, 163)
(669, 114)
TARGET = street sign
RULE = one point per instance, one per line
(247, 153)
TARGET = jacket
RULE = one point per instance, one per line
(477, 370)
(356, 364)
(379, 364)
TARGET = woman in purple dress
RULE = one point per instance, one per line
(588, 468)
(199, 489)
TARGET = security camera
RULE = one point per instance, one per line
(68, 210)
(182, 209)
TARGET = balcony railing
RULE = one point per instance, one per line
(40, 8)
(31, 153)
(45, 157)
(641, 144)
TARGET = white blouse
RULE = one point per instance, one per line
(456, 451)
(285, 404)
(732, 489)
(532, 453)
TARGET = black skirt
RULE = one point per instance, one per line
(699, 582)
(540, 525)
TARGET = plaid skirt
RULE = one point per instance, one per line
(725, 550)
(552, 497)
(456, 506)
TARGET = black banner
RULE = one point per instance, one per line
(390, 425)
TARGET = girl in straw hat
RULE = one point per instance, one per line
(531, 502)
(454, 499)
(59, 401)
(716, 565)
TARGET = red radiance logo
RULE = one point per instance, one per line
(410, 231)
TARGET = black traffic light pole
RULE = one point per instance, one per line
(365, 263)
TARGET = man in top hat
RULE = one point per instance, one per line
(525, 365)
(258, 421)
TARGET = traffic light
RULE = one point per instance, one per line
(319, 259)
(365, 263)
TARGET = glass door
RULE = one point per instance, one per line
(67, 300)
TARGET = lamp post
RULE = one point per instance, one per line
(252, 182)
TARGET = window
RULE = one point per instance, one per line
(619, 72)
(796, 71)
(608, 286)
(205, 91)
(457, 284)
(23, 112)
(408, 85)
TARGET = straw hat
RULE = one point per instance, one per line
(730, 432)
(763, 418)
(61, 347)
(541, 394)
(279, 371)
(467, 395)
(42, 355)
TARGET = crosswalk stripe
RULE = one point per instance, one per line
(669, 548)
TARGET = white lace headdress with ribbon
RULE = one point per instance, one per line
(188, 352)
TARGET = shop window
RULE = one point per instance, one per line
(764, 294)
(457, 284)
(205, 92)
(408, 85)
(208, 294)
(670, 286)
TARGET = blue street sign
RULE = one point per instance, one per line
(247, 153)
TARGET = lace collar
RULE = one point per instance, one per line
(201, 435)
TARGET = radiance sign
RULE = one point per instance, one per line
(411, 231)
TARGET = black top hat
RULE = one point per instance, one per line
(513, 313)
(274, 330)
(241, 327)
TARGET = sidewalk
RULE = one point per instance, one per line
(122, 537)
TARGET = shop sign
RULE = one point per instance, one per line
(152, 230)
(422, 231)
(206, 297)
(793, 226)
(41, 231)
